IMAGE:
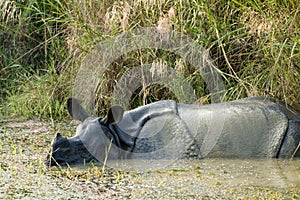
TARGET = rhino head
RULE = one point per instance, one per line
(74, 150)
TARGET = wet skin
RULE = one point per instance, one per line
(253, 127)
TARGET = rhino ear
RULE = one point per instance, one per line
(76, 110)
(114, 115)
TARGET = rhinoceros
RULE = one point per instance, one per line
(255, 127)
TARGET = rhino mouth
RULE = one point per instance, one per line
(51, 161)
(72, 160)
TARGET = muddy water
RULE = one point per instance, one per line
(24, 145)
(232, 172)
(211, 178)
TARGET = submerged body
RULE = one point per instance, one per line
(247, 128)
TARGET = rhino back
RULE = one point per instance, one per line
(251, 127)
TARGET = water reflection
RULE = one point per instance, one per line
(260, 173)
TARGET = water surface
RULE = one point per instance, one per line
(25, 144)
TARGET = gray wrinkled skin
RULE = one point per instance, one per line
(248, 128)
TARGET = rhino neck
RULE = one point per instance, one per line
(128, 130)
(120, 138)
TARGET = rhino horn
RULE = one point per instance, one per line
(58, 136)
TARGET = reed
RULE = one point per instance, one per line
(254, 44)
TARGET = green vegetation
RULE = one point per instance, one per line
(255, 45)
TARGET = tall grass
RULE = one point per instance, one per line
(255, 45)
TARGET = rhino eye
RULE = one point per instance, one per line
(61, 144)
(64, 150)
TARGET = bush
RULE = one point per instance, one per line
(254, 44)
